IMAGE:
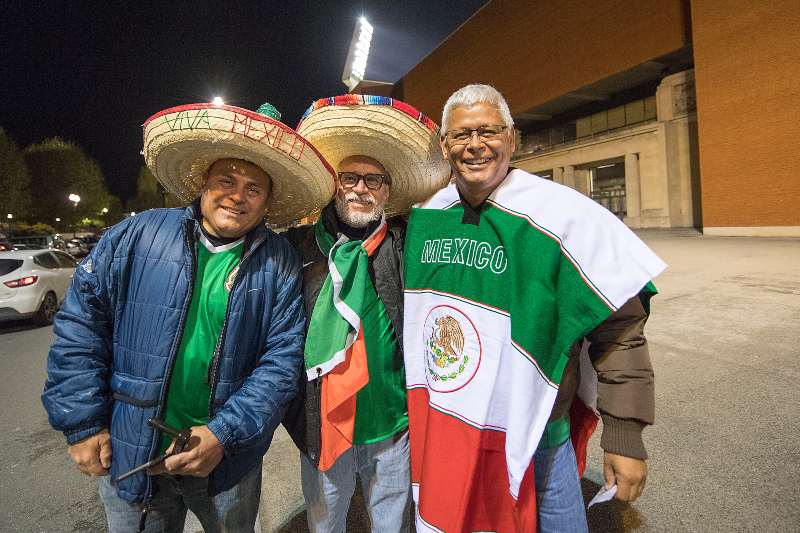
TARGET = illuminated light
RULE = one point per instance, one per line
(133, 213)
(218, 101)
(74, 198)
(21, 282)
(9, 215)
(356, 65)
(58, 219)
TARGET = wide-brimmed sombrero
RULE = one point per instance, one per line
(181, 143)
(392, 132)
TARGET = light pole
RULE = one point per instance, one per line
(74, 198)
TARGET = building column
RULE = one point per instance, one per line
(569, 176)
(633, 197)
(583, 183)
(558, 175)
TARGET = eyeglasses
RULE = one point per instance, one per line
(485, 133)
(372, 181)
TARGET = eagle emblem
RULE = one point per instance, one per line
(446, 342)
(231, 278)
(452, 347)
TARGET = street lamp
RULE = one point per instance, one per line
(104, 210)
(74, 198)
(218, 101)
(9, 216)
(58, 219)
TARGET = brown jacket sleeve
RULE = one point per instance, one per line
(625, 388)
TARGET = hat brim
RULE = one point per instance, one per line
(180, 144)
(407, 148)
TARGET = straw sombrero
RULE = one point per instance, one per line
(181, 143)
(392, 132)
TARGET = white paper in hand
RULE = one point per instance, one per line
(605, 494)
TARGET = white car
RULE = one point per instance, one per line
(33, 283)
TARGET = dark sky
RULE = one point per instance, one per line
(92, 72)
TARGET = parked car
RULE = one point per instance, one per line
(33, 283)
(77, 247)
(49, 240)
(5, 245)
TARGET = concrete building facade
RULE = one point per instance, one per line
(643, 172)
(671, 113)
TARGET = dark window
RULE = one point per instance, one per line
(7, 266)
(65, 261)
(46, 261)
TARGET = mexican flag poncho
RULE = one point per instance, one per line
(491, 311)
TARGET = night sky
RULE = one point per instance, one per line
(92, 72)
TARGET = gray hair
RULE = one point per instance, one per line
(470, 95)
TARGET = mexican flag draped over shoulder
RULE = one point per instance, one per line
(491, 311)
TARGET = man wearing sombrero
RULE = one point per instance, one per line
(192, 317)
(351, 417)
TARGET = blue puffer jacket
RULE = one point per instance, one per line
(120, 326)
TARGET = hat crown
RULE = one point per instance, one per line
(269, 110)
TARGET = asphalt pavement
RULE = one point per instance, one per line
(724, 453)
(39, 490)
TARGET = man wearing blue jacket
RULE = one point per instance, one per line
(193, 317)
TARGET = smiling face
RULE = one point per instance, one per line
(478, 166)
(358, 205)
(233, 198)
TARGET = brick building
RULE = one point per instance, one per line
(671, 113)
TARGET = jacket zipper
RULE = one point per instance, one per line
(212, 381)
(188, 241)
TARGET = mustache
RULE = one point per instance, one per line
(365, 198)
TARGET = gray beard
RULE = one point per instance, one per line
(355, 219)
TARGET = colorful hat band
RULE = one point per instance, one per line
(367, 99)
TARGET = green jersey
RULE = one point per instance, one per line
(189, 389)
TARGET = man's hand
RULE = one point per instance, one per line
(93, 454)
(628, 473)
(199, 458)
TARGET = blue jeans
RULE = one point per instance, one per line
(384, 470)
(231, 511)
(559, 500)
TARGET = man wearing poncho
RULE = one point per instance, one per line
(506, 275)
(351, 417)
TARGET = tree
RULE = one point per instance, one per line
(57, 169)
(150, 193)
(15, 197)
(116, 211)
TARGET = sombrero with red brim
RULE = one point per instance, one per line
(181, 143)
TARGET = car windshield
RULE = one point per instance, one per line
(7, 266)
(40, 240)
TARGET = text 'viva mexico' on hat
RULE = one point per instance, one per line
(392, 132)
(181, 143)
